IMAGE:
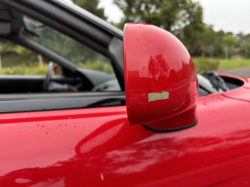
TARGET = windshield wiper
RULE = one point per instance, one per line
(216, 80)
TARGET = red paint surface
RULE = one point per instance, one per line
(97, 147)
(239, 93)
(155, 61)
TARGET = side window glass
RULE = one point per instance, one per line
(74, 51)
(71, 49)
(104, 78)
(17, 60)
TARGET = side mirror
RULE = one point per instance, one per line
(160, 79)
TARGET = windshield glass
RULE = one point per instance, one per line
(71, 49)
(206, 84)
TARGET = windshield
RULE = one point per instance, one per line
(206, 84)
(71, 49)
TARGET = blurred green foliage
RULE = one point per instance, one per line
(204, 64)
(229, 40)
(210, 42)
(99, 66)
(18, 60)
(21, 65)
(183, 18)
(37, 70)
(24, 70)
(91, 6)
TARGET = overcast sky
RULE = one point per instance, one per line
(229, 15)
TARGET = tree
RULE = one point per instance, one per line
(91, 6)
(183, 18)
(210, 41)
(244, 47)
(206, 40)
(229, 42)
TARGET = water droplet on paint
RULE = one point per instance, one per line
(102, 177)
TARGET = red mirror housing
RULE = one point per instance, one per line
(160, 79)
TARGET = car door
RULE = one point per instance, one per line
(98, 147)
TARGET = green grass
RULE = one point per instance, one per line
(21, 70)
(229, 64)
(26, 65)
(36, 70)
(21, 65)
(204, 64)
(15, 60)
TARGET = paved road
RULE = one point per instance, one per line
(238, 72)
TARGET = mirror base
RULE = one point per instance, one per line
(169, 130)
(173, 124)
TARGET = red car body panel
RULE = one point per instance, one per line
(97, 147)
(240, 93)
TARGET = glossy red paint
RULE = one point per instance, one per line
(241, 93)
(97, 147)
(157, 63)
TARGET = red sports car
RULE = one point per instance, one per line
(142, 118)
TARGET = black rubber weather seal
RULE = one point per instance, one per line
(170, 130)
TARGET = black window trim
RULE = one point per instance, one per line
(15, 103)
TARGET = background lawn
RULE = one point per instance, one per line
(230, 64)
(204, 64)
